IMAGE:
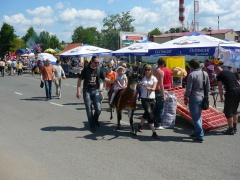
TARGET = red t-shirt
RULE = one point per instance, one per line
(167, 79)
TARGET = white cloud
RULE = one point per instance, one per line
(16, 19)
(144, 16)
(211, 7)
(59, 5)
(68, 14)
(159, 1)
(41, 11)
(72, 14)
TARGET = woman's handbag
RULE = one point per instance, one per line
(41, 84)
(205, 101)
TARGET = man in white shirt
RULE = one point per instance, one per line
(59, 74)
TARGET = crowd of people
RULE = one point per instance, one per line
(151, 92)
(16, 66)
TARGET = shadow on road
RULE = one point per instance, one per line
(60, 128)
(70, 104)
(35, 99)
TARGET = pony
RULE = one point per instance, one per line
(126, 99)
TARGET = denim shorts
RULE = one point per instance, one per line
(231, 104)
(148, 106)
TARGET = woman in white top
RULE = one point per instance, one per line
(149, 83)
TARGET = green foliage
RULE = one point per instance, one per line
(176, 30)
(30, 37)
(6, 38)
(156, 31)
(17, 43)
(86, 35)
(54, 42)
(112, 25)
(44, 38)
(205, 29)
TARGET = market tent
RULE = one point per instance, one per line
(229, 54)
(50, 50)
(68, 47)
(30, 55)
(86, 50)
(44, 56)
(57, 50)
(194, 44)
(137, 49)
(20, 51)
(11, 56)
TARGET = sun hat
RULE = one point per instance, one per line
(120, 67)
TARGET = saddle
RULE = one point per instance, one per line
(117, 97)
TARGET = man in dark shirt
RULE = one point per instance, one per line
(232, 97)
(91, 75)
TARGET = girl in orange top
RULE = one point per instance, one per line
(110, 74)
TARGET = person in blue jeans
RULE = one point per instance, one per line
(194, 95)
(160, 95)
(47, 76)
(91, 74)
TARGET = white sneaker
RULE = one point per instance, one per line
(159, 128)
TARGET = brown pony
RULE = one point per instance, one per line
(126, 99)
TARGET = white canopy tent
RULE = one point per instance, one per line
(194, 44)
(137, 49)
(87, 50)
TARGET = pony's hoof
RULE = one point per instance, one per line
(111, 118)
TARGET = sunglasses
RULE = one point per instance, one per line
(95, 62)
(147, 69)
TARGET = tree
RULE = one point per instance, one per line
(44, 40)
(54, 42)
(6, 38)
(30, 38)
(156, 31)
(176, 30)
(16, 44)
(86, 35)
(205, 29)
(112, 25)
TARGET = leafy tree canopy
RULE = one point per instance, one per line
(112, 25)
(6, 38)
(155, 31)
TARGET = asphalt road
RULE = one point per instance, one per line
(50, 140)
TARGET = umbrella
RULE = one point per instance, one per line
(137, 49)
(30, 55)
(51, 51)
(192, 44)
(20, 51)
(86, 50)
(57, 50)
(44, 56)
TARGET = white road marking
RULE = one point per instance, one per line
(18, 93)
(67, 84)
(56, 104)
(31, 78)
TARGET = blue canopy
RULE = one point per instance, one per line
(136, 49)
(20, 51)
(192, 44)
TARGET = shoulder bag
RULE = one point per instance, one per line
(205, 101)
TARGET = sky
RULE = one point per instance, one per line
(60, 18)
